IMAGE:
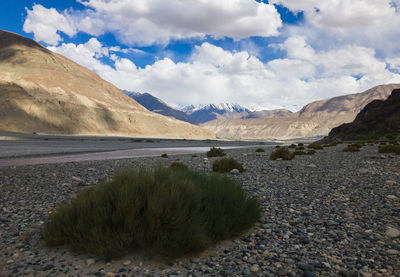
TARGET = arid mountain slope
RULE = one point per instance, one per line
(378, 117)
(315, 119)
(41, 91)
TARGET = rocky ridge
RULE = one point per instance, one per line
(378, 117)
(314, 119)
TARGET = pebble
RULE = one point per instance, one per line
(320, 219)
(127, 262)
(254, 268)
(234, 171)
(392, 232)
(90, 261)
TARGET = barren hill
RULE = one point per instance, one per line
(314, 119)
(41, 91)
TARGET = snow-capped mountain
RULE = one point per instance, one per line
(205, 113)
(156, 105)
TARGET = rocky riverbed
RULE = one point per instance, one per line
(331, 214)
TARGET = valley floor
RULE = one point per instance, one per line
(331, 214)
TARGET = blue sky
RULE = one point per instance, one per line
(263, 55)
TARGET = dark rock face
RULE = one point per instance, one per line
(378, 117)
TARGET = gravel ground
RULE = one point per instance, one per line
(331, 214)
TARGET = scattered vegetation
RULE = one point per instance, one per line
(300, 148)
(194, 156)
(292, 146)
(164, 155)
(259, 150)
(282, 153)
(311, 152)
(178, 166)
(170, 211)
(299, 153)
(300, 144)
(390, 148)
(215, 152)
(225, 165)
(351, 148)
(315, 146)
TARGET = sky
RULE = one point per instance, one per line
(259, 54)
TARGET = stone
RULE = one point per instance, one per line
(309, 274)
(311, 165)
(195, 260)
(90, 261)
(393, 252)
(127, 262)
(47, 267)
(282, 272)
(392, 232)
(392, 197)
(234, 171)
(246, 272)
(254, 268)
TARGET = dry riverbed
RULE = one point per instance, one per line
(331, 214)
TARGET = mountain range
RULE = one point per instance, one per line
(43, 92)
(313, 120)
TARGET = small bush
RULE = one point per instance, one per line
(215, 152)
(358, 144)
(382, 143)
(260, 150)
(292, 146)
(194, 156)
(299, 153)
(167, 211)
(351, 148)
(300, 148)
(311, 152)
(282, 153)
(225, 165)
(300, 144)
(390, 148)
(315, 146)
(164, 156)
(178, 166)
(278, 146)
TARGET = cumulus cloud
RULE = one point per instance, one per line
(342, 13)
(46, 23)
(145, 22)
(213, 74)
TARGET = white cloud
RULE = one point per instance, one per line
(342, 13)
(214, 75)
(45, 23)
(145, 22)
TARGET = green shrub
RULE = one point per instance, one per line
(300, 148)
(299, 153)
(215, 152)
(390, 148)
(351, 148)
(225, 165)
(178, 166)
(358, 144)
(292, 146)
(167, 211)
(300, 144)
(164, 156)
(282, 153)
(278, 146)
(260, 150)
(194, 156)
(382, 143)
(311, 152)
(315, 146)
